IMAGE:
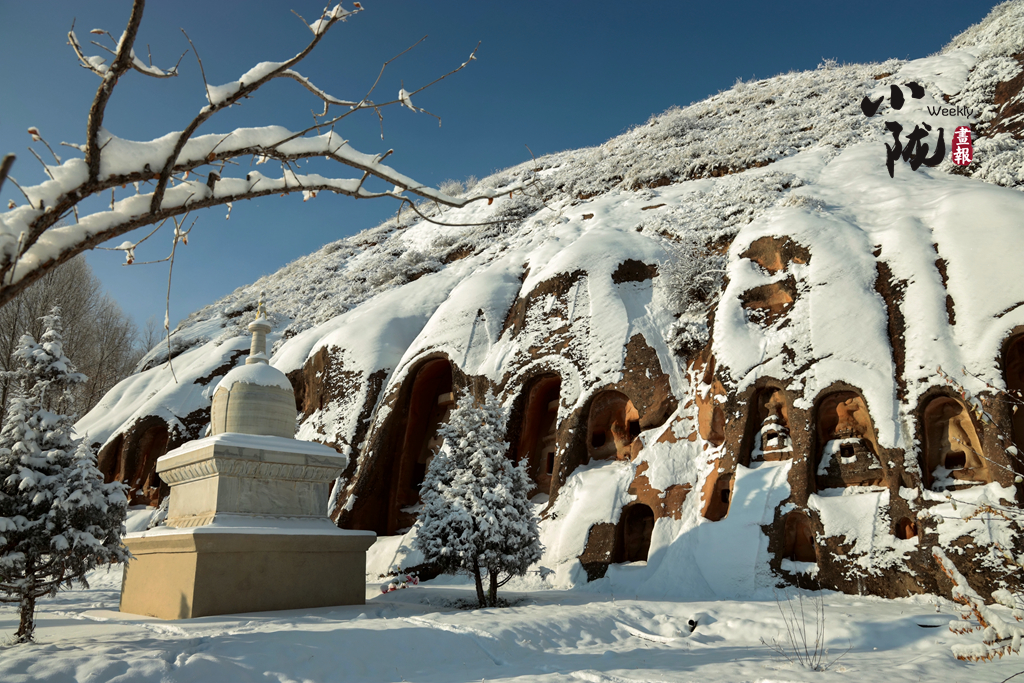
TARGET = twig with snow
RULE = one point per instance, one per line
(998, 637)
(168, 161)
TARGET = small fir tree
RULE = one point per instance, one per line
(475, 515)
(58, 520)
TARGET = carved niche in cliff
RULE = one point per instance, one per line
(953, 456)
(717, 495)
(798, 542)
(430, 401)
(769, 426)
(538, 431)
(847, 448)
(612, 426)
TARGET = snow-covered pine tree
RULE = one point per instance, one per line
(475, 514)
(58, 519)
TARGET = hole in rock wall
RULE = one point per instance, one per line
(905, 529)
(1013, 367)
(952, 450)
(798, 544)
(538, 437)
(847, 452)
(768, 426)
(430, 402)
(717, 496)
(609, 426)
(955, 461)
(635, 528)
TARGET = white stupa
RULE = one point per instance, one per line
(247, 527)
(255, 398)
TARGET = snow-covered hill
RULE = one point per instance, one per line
(735, 295)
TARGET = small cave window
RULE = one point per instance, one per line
(905, 529)
(845, 452)
(551, 463)
(597, 439)
(724, 495)
(634, 429)
(956, 461)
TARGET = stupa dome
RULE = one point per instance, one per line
(255, 398)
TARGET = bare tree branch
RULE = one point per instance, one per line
(108, 163)
(5, 168)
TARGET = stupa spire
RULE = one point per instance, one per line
(259, 328)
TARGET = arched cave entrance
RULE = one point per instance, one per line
(537, 438)
(634, 533)
(768, 426)
(799, 544)
(847, 451)
(1013, 367)
(952, 449)
(612, 425)
(429, 404)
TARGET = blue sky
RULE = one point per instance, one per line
(551, 75)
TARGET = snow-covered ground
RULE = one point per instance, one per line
(601, 634)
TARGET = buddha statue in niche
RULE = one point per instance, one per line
(772, 442)
(952, 449)
(848, 450)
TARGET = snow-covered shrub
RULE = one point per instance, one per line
(58, 520)
(998, 635)
(458, 188)
(692, 279)
(514, 211)
(476, 516)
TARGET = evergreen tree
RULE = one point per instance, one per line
(475, 515)
(58, 520)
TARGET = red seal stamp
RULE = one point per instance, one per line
(963, 153)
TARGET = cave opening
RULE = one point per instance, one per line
(430, 402)
(636, 527)
(799, 544)
(612, 425)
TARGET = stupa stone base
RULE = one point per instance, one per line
(203, 571)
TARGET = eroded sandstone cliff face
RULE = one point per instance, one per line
(748, 355)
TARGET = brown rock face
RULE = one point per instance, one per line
(774, 254)
(131, 459)
(1009, 98)
(767, 303)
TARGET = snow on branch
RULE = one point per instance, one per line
(998, 636)
(150, 182)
